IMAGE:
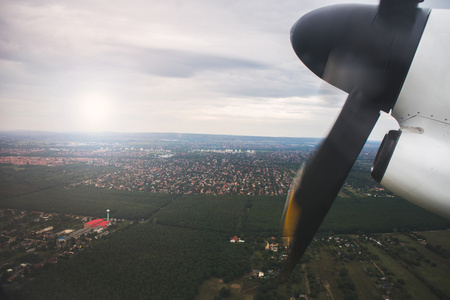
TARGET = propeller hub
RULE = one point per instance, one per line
(362, 47)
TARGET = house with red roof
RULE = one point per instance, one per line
(95, 223)
(234, 239)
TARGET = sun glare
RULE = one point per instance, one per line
(95, 113)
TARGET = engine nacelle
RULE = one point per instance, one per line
(415, 166)
(414, 163)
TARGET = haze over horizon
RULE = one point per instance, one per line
(146, 66)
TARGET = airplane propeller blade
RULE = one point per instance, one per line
(366, 51)
(325, 173)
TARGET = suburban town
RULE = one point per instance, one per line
(179, 171)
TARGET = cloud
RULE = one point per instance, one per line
(180, 63)
(197, 66)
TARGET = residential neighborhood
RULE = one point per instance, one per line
(23, 243)
(177, 171)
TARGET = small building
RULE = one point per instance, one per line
(62, 239)
(235, 239)
(44, 230)
(80, 232)
(98, 229)
(65, 232)
(93, 223)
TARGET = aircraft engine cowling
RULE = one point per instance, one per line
(414, 165)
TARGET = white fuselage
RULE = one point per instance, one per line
(419, 169)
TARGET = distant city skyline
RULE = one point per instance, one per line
(147, 66)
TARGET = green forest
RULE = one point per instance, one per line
(177, 242)
(187, 241)
(146, 261)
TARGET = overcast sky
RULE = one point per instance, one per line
(219, 67)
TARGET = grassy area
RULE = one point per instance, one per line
(376, 270)
(438, 238)
(240, 289)
(327, 267)
(433, 268)
(364, 285)
(414, 286)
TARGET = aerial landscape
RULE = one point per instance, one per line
(249, 150)
(198, 217)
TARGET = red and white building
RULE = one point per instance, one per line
(96, 223)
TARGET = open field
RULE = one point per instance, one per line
(364, 270)
(373, 270)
